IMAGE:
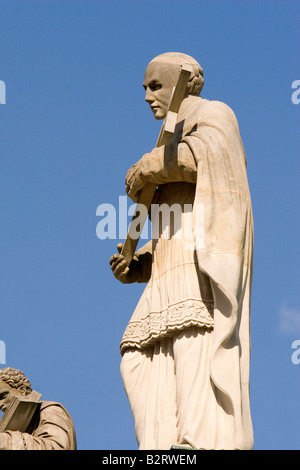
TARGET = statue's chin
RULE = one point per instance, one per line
(158, 115)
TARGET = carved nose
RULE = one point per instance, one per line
(149, 97)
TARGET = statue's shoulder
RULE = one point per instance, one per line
(47, 404)
(53, 407)
(219, 112)
(216, 106)
(201, 110)
(195, 104)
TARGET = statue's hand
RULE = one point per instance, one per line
(121, 271)
(150, 169)
(135, 181)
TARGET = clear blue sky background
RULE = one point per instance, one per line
(74, 121)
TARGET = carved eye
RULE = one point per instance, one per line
(155, 86)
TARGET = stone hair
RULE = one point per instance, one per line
(196, 81)
(15, 378)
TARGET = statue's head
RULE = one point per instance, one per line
(12, 383)
(161, 76)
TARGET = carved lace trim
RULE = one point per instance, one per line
(141, 333)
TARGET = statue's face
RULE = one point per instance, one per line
(7, 394)
(160, 78)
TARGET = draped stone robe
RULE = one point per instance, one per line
(206, 287)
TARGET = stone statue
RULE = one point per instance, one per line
(186, 349)
(51, 426)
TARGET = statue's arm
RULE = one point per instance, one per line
(6, 441)
(15, 440)
(170, 164)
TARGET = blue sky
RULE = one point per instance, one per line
(74, 121)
